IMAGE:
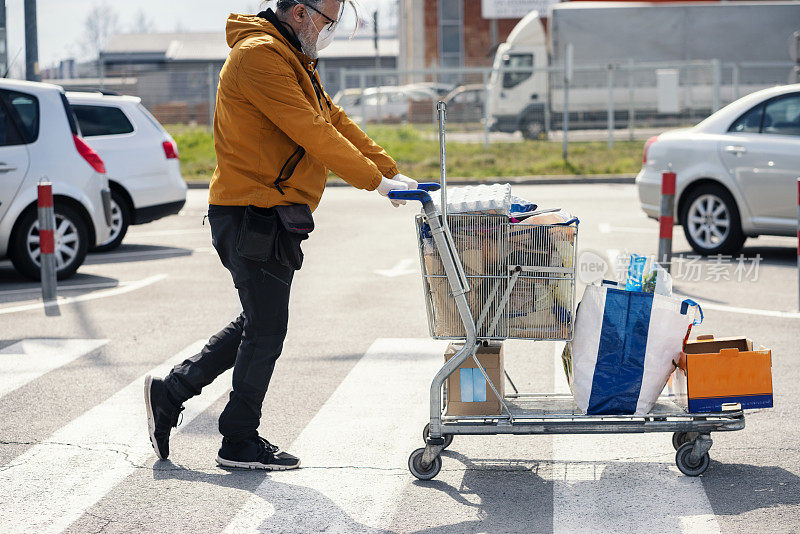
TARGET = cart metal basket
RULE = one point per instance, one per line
(486, 278)
(521, 278)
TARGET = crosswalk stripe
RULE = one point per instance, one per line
(84, 460)
(63, 301)
(355, 450)
(623, 483)
(29, 359)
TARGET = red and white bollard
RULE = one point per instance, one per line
(666, 220)
(47, 245)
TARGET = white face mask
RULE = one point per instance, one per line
(324, 37)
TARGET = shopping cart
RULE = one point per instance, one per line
(481, 303)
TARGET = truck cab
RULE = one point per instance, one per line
(517, 92)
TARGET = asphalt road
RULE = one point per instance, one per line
(349, 395)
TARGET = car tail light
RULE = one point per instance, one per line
(171, 150)
(88, 153)
(647, 147)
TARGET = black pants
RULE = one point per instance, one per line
(251, 344)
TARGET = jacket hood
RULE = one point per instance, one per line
(241, 27)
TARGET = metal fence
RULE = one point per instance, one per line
(613, 101)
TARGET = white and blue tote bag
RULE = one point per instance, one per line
(624, 348)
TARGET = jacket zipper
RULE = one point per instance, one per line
(318, 89)
(288, 167)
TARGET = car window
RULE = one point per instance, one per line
(21, 115)
(9, 131)
(468, 97)
(101, 120)
(517, 61)
(73, 123)
(782, 116)
(27, 109)
(750, 122)
(153, 120)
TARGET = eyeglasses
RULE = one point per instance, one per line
(331, 22)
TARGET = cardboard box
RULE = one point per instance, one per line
(712, 372)
(468, 393)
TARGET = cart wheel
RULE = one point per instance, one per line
(415, 465)
(679, 438)
(426, 433)
(684, 462)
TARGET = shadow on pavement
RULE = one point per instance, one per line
(770, 256)
(734, 489)
(522, 492)
(136, 253)
(508, 495)
(16, 288)
(290, 508)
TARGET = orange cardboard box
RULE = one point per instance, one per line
(712, 372)
(468, 392)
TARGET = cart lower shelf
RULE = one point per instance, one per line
(558, 414)
(543, 414)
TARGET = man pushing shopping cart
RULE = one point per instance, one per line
(276, 134)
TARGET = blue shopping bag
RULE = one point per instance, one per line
(625, 347)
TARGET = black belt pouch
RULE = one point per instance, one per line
(257, 234)
(296, 223)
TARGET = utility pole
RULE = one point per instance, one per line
(3, 39)
(377, 52)
(31, 43)
(377, 68)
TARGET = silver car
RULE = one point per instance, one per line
(736, 172)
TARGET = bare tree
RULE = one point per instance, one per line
(142, 23)
(100, 24)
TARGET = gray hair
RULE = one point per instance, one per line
(285, 5)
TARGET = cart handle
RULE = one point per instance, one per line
(420, 194)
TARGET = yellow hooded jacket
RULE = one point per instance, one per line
(276, 131)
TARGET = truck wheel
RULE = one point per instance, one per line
(532, 130)
(71, 243)
(711, 221)
(120, 221)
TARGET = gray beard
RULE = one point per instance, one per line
(308, 40)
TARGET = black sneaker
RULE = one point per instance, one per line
(255, 453)
(162, 415)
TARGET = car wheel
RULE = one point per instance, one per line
(711, 221)
(532, 129)
(71, 243)
(120, 221)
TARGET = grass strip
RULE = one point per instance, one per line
(417, 155)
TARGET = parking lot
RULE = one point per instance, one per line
(349, 395)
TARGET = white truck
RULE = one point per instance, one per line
(526, 92)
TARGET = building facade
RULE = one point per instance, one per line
(449, 34)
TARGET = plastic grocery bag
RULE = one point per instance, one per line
(624, 348)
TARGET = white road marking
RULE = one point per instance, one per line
(404, 267)
(355, 450)
(746, 311)
(606, 228)
(63, 301)
(622, 483)
(29, 359)
(84, 460)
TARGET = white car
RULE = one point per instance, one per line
(39, 139)
(736, 172)
(141, 157)
(384, 103)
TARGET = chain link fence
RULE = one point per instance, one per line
(614, 101)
